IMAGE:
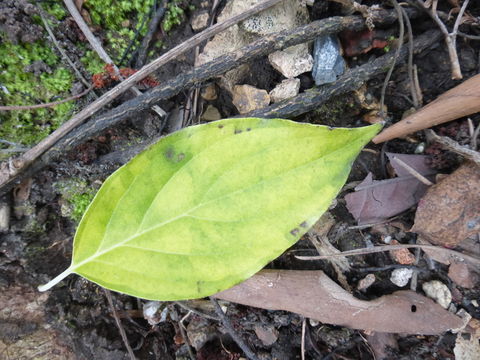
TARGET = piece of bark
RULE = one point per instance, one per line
(314, 295)
(450, 210)
(460, 101)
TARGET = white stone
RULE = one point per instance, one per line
(4, 217)
(200, 21)
(287, 89)
(211, 113)
(400, 277)
(439, 292)
(247, 98)
(292, 61)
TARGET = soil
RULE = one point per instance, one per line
(74, 319)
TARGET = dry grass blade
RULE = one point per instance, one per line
(471, 259)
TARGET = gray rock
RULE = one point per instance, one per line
(328, 62)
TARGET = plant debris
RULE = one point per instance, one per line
(375, 201)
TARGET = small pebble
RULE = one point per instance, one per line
(366, 282)
(439, 292)
(400, 277)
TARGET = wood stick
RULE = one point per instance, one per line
(219, 66)
(45, 105)
(300, 104)
(14, 167)
(98, 48)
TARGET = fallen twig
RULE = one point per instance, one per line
(157, 18)
(119, 324)
(453, 146)
(411, 71)
(382, 248)
(185, 337)
(62, 52)
(399, 11)
(45, 105)
(12, 168)
(414, 172)
(228, 326)
(224, 63)
(450, 37)
(92, 39)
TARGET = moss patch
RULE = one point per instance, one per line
(76, 196)
(19, 87)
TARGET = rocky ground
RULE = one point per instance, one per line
(38, 217)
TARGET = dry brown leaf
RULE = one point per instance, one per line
(450, 210)
(314, 295)
(377, 200)
(460, 101)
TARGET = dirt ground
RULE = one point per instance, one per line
(74, 319)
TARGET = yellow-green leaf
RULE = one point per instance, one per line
(208, 206)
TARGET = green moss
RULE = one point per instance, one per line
(80, 203)
(23, 88)
(174, 15)
(55, 8)
(76, 195)
(92, 62)
(119, 19)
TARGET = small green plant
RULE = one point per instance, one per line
(210, 205)
(390, 41)
(120, 20)
(173, 16)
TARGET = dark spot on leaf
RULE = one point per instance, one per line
(220, 126)
(180, 157)
(295, 232)
(237, 131)
(169, 153)
(199, 286)
(248, 129)
(304, 224)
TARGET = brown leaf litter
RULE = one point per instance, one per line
(375, 201)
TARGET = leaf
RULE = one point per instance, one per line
(375, 201)
(208, 206)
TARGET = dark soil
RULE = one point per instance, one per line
(76, 314)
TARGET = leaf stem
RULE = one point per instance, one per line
(56, 280)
